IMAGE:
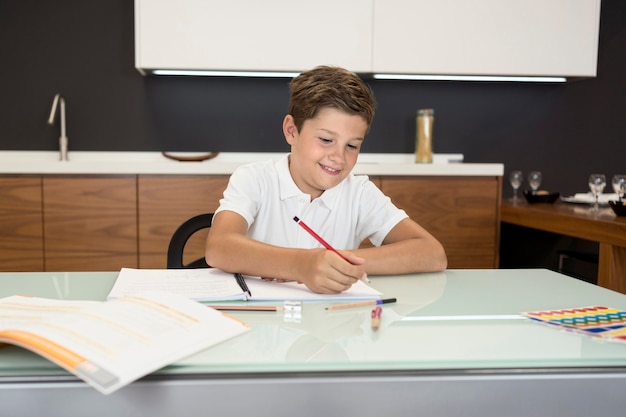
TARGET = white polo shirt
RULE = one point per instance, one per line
(266, 196)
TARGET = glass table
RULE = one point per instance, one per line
(453, 343)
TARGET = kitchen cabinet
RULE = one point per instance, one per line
(89, 222)
(271, 35)
(165, 202)
(461, 212)
(486, 37)
(21, 223)
(450, 37)
(80, 222)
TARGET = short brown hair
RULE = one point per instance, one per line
(334, 87)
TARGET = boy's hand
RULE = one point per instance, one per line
(325, 272)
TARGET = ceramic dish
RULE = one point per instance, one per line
(540, 196)
(618, 207)
(190, 156)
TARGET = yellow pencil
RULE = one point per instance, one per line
(361, 304)
(244, 308)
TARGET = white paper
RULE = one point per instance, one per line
(212, 284)
(204, 284)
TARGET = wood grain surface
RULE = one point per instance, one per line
(21, 224)
(165, 202)
(90, 222)
(461, 212)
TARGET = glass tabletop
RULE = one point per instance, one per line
(457, 319)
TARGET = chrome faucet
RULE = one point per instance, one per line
(63, 138)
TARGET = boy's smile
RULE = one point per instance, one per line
(326, 149)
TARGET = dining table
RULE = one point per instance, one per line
(581, 221)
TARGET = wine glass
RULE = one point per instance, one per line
(534, 179)
(597, 182)
(516, 178)
(619, 185)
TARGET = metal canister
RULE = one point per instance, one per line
(424, 136)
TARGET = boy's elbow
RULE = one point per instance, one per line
(211, 252)
(442, 262)
(439, 258)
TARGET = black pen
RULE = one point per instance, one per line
(242, 283)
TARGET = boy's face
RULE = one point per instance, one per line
(324, 152)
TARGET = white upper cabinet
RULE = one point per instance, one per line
(486, 37)
(269, 35)
(458, 37)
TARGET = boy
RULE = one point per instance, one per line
(253, 231)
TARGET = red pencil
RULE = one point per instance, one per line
(376, 318)
(318, 237)
(324, 243)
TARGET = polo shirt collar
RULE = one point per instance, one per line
(289, 189)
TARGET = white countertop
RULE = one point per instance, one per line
(92, 162)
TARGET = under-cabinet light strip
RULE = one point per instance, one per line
(275, 74)
(415, 77)
(418, 77)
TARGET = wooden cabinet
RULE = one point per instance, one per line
(90, 222)
(21, 224)
(106, 222)
(165, 202)
(461, 212)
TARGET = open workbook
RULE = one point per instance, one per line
(110, 344)
(212, 284)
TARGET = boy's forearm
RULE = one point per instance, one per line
(237, 253)
(404, 257)
(234, 252)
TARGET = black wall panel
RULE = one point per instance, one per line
(85, 50)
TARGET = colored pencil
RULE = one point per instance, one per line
(361, 304)
(244, 308)
(323, 242)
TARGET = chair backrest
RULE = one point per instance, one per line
(179, 239)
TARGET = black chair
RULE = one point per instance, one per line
(179, 240)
